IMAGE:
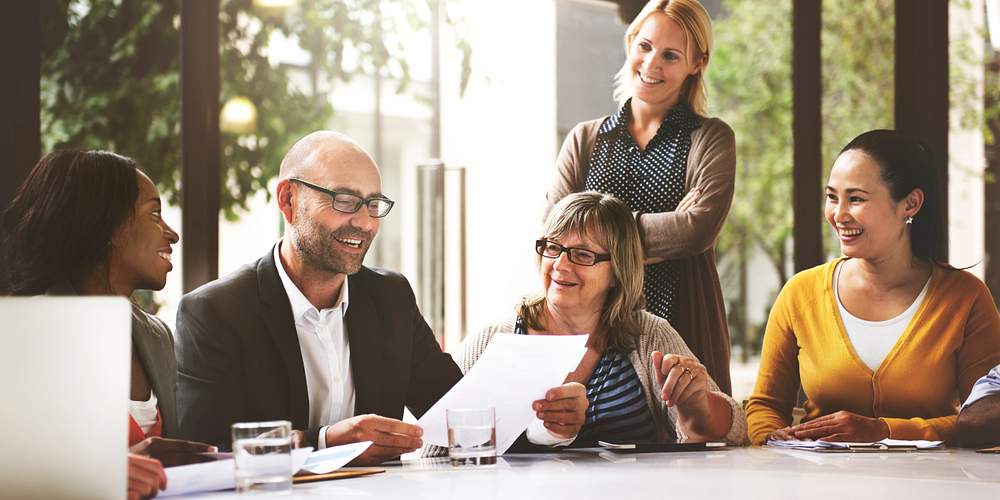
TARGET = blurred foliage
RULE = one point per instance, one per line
(750, 80)
(751, 85)
(110, 77)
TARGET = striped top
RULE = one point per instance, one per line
(617, 411)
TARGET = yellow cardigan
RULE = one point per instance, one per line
(952, 340)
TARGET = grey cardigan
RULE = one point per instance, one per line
(657, 335)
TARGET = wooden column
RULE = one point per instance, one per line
(20, 127)
(991, 219)
(200, 158)
(922, 82)
(807, 124)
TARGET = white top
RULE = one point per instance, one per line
(144, 412)
(326, 354)
(873, 340)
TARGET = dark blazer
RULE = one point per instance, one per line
(154, 346)
(153, 343)
(239, 359)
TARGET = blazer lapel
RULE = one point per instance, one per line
(277, 314)
(145, 342)
(362, 334)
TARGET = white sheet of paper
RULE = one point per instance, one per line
(333, 458)
(513, 371)
(213, 476)
(835, 445)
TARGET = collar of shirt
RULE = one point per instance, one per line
(679, 118)
(303, 312)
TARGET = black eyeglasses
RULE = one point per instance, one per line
(581, 256)
(348, 203)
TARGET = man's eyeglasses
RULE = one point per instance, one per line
(581, 256)
(348, 203)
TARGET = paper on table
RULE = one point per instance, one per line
(213, 476)
(884, 445)
(333, 458)
(513, 371)
(919, 444)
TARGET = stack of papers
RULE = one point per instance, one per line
(834, 446)
(220, 474)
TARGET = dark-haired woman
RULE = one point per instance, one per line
(888, 339)
(89, 223)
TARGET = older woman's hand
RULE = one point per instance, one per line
(683, 382)
(564, 409)
(703, 414)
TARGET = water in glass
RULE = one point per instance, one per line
(472, 444)
(263, 464)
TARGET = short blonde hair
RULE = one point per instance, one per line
(693, 19)
(608, 220)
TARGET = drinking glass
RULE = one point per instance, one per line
(472, 437)
(263, 456)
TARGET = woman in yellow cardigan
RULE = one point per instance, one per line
(886, 340)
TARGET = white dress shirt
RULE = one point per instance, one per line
(986, 386)
(326, 354)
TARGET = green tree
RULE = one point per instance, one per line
(750, 82)
(110, 77)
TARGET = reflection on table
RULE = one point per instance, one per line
(742, 473)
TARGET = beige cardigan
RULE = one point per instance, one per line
(657, 335)
(688, 237)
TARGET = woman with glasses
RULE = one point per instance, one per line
(89, 223)
(638, 381)
(671, 164)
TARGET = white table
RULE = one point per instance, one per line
(742, 474)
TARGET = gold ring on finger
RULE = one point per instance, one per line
(687, 371)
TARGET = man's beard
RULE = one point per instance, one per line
(318, 247)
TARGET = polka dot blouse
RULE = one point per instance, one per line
(649, 181)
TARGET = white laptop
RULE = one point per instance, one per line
(64, 386)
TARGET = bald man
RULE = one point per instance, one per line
(307, 333)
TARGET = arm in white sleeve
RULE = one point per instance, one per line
(538, 434)
(321, 440)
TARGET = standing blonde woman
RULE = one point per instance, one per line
(672, 165)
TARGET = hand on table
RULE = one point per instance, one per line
(145, 477)
(390, 437)
(783, 434)
(564, 409)
(841, 426)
